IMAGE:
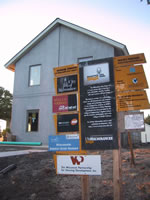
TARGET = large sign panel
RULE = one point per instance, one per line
(129, 60)
(130, 78)
(64, 103)
(79, 164)
(98, 105)
(67, 123)
(68, 142)
(134, 100)
(67, 84)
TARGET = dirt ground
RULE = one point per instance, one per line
(34, 178)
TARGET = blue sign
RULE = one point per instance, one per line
(68, 142)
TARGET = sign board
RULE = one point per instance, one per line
(79, 164)
(68, 142)
(67, 123)
(130, 78)
(66, 84)
(98, 105)
(134, 121)
(66, 70)
(135, 100)
(64, 103)
(129, 60)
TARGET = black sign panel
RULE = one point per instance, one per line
(67, 123)
(67, 84)
(98, 105)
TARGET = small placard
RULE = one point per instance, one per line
(67, 84)
(68, 142)
(79, 164)
(64, 103)
(134, 121)
(67, 123)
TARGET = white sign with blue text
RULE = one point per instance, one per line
(68, 142)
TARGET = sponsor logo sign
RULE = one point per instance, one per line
(64, 103)
(67, 123)
(96, 73)
(129, 60)
(67, 84)
(79, 164)
(135, 100)
(66, 70)
(68, 142)
(130, 78)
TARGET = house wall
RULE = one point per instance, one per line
(62, 46)
(145, 135)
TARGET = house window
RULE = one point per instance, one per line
(85, 59)
(32, 120)
(34, 75)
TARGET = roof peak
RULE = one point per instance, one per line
(11, 63)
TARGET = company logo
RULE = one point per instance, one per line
(96, 76)
(74, 122)
(135, 80)
(132, 69)
(77, 159)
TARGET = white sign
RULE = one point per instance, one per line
(134, 121)
(79, 164)
(97, 73)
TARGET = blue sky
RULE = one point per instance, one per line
(126, 21)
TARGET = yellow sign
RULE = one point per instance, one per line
(66, 70)
(130, 78)
(136, 100)
(129, 60)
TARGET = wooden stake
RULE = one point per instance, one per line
(117, 174)
(131, 149)
(85, 187)
(117, 166)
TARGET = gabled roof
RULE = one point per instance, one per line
(11, 63)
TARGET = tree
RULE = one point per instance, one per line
(148, 1)
(147, 120)
(5, 105)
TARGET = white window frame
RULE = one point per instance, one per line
(35, 83)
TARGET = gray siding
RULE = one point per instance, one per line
(74, 45)
(63, 46)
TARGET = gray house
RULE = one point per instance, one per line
(61, 43)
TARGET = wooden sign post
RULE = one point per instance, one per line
(131, 149)
(117, 167)
(85, 188)
(127, 79)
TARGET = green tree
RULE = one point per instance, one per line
(5, 105)
(148, 1)
(147, 120)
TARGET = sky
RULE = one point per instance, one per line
(127, 22)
